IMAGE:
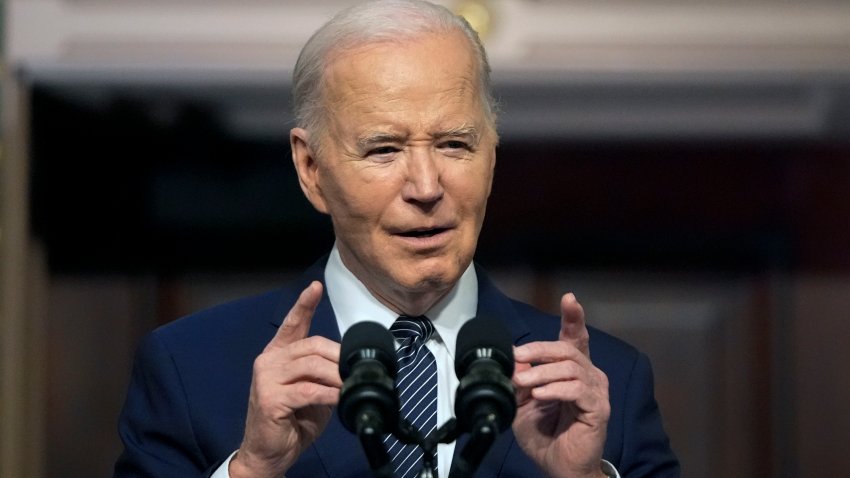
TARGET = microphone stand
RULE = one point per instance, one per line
(482, 436)
(447, 433)
(410, 435)
(370, 432)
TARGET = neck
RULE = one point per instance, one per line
(411, 301)
(408, 303)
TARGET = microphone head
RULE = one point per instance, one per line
(484, 364)
(484, 336)
(368, 402)
(367, 340)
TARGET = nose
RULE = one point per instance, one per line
(423, 184)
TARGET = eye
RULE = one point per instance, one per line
(382, 152)
(455, 144)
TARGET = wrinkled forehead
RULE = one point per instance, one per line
(442, 65)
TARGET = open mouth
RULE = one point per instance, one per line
(423, 232)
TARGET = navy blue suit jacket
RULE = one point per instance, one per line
(188, 397)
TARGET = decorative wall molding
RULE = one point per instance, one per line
(524, 35)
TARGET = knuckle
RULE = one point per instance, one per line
(307, 390)
(263, 398)
(310, 346)
(260, 363)
(313, 344)
(602, 379)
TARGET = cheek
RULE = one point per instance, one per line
(351, 195)
(471, 189)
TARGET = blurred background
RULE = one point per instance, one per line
(682, 166)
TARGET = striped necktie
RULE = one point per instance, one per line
(417, 388)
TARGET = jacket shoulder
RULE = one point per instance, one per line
(227, 317)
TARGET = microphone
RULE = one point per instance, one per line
(485, 404)
(368, 403)
(484, 365)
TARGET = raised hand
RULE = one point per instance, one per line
(294, 388)
(563, 409)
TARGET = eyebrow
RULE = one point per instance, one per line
(372, 139)
(463, 131)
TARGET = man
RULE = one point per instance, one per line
(396, 142)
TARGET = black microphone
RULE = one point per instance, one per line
(484, 365)
(485, 404)
(368, 403)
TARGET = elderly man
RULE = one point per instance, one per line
(396, 142)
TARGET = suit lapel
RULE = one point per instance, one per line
(338, 450)
(493, 304)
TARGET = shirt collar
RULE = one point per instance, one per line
(352, 302)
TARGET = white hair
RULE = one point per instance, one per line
(372, 22)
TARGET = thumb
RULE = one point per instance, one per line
(573, 326)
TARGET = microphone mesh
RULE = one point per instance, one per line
(366, 335)
(484, 332)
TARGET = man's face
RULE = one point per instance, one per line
(405, 167)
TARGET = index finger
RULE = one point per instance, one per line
(296, 324)
(573, 326)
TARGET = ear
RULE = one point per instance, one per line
(307, 168)
(492, 172)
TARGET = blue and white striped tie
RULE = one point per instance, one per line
(417, 388)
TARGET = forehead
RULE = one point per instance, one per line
(433, 73)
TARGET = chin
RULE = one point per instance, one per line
(437, 276)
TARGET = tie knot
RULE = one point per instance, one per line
(412, 329)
